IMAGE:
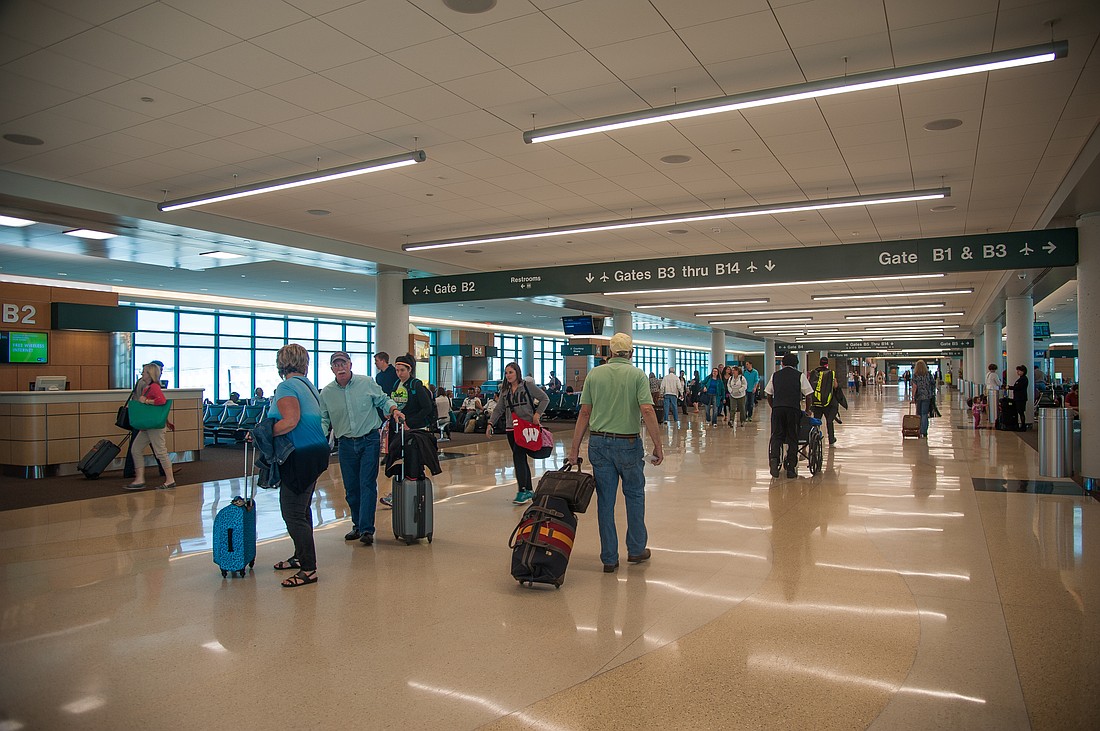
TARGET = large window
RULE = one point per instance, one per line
(509, 349)
(651, 360)
(548, 358)
(690, 361)
(222, 353)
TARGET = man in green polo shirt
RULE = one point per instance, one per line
(614, 401)
(350, 407)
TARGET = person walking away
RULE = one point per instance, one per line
(296, 409)
(142, 383)
(150, 393)
(349, 409)
(1019, 395)
(923, 389)
(412, 398)
(683, 393)
(522, 398)
(737, 387)
(752, 379)
(614, 401)
(786, 391)
(824, 382)
(673, 392)
(695, 388)
(714, 389)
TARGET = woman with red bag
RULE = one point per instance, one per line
(525, 400)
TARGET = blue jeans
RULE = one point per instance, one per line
(750, 402)
(713, 410)
(611, 460)
(359, 469)
(671, 404)
(923, 407)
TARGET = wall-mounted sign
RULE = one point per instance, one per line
(25, 316)
(1039, 353)
(978, 252)
(1041, 330)
(868, 347)
(467, 351)
(1067, 353)
(583, 350)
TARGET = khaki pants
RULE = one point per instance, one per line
(151, 438)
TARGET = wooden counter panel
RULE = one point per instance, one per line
(27, 453)
(99, 425)
(60, 451)
(8, 380)
(5, 451)
(93, 378)
(188, 440)
(187, 419)
(67, 408)
(27, 428)
(5, 409)
(100, 407)
(28, 409)
(63, 426)
(5, 427)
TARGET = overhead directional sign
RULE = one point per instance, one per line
(874, 346)
(980, 252)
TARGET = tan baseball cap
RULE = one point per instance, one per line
(621, 343)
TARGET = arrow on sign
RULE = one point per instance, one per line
(589, 278)
(1026, 251)
(751, 267)
(1050, 247)
(769, 266)
(416, 290)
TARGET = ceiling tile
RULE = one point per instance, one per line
(597, 22)
(445, 59)
(500, 13)
(522, 40)
(369, 116)
(114, 53)
(493, 88)
(165, 28)
(260, 107)
(818, 21)
(764, 71)
(428, 103)
(315, 93)
(314, 45)
(847, 56)
(470, 125)
(638, 57)
(376, 77)
(386, 27)
(735, 38)
(64, 72)
(211, 121)
(243, 18)
(98, 12)
(316, 128)
(944, 40)
(21, 99)
(39, 24)
(681, 14)
(674, 87)
(565, 73)
(195, 83)
(251, 65)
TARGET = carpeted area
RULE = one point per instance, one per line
(217, 463)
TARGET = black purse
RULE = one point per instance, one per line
(122, 419)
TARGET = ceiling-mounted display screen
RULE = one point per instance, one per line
(582, 325)
(18, 347)
(1042, 330)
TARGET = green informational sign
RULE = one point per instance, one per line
(980, 252)
(581, 350)
(870, 347)
(1063, 353)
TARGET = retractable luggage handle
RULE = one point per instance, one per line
(250, 473)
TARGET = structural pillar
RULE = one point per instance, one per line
(623, 322)
(528, 364)
(673, 361)
(968, 371)
(391, 315)
(717, 349)
(1019, 316)
(769, 361)
(1088, 343)
(992, 340)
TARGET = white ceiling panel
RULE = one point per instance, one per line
(646, 56)
(62, 71)
(432, 102)
(445, 59)
(680, 14)
(736, 38)
(493, 88)
(195, 83)
(315, 93)
(594, 23)
(569, 72)
(314, 45)
(39, 24)
(386, 27)
(242, 18)
(172, 31)
(251, 65)
(376, 77)
(531, 37)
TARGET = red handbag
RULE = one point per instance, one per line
(532, 437)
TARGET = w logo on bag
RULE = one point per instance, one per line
(532, 434)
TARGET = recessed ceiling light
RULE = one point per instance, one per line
(148, 99)
(676, 159)
(429, 195)
(942, 209)
(15, 222)
(24, 139)
(85, 233)
(677, 231)
(221, 255)
(470, 7)
(318, 212)
(939, 125)
(475, 251)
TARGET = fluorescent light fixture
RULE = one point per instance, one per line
(901, 315)
(295, 181)
(779, 284)
(1063, 335)
(808, 90)
(814, 310)
(848, 338)
(15, 222)
(86, 233)
(885, 295)
(761, 301)
(769, 209)
(222, 255)
(1059, 345)
(772, 320)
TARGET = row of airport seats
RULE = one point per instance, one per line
(231, 421)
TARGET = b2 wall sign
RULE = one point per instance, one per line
(980, 252)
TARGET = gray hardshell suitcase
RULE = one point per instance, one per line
(412, 504)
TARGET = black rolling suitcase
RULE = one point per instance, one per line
(542, 542)
(1007, 418)
(413, 516)
(100, 458)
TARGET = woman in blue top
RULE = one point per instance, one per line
(296, 407)
(715, 388)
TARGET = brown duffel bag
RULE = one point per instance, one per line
(575, 488)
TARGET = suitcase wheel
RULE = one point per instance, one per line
(396, 537)
(252, 564)
(241, 572)
(429, 538)
(409, 542)
(224, 573)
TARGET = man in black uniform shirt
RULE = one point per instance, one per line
(787, 390)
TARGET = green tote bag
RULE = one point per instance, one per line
(147, 416)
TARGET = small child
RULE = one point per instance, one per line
(977, 406)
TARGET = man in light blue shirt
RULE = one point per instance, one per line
(350, 408)
(752, 377)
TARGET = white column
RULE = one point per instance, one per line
(1019, 316)
(673, 361)
(1088, 343)
(717, 349)
(979, 355)
(968, 367)
(392, 317)
(623, 322)
(993, 347)
(528, 364)
(769, 361)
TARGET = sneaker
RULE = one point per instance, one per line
(609, 568)
(792, 473)
(523, 496)
(775, 470)
(387, 501)
(352, 535)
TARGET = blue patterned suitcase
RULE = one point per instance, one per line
(234, 534)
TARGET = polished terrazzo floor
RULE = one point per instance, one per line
(885, 593)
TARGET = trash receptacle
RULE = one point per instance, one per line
(1055, 442)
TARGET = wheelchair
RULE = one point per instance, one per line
(810, 443)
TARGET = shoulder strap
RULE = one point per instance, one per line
(531, 399)
(309, 387)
